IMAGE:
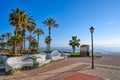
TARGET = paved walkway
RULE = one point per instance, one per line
(107, 67)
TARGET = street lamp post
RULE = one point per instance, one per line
(92, 30)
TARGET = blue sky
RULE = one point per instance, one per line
(74, 17)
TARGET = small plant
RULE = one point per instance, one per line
(96, 56)
(35, 63)
(13, 71)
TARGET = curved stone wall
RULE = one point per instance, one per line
(27, 60)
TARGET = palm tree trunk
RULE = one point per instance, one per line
(38, 40)
(49, 47)
(24, 41)
(73, 49)
(49, 37)
(24, 37)
(46, 47)
(14, 48)
(8, 39)
(30, 40)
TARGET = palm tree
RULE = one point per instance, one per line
(47, 41)
(34, 45)
(74, 42)
(10, 42)
(19, 41)
(3, 36)
(1, 39)
(2, 43)
(50, 22)
(31, 27)
(26, 20)
(15, 19)
(39, 32)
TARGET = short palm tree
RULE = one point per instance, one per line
(50, 22)
(3, 36)
(10, 42)
(8, 35)
(33, 45)
(39, 32)
(74, 42)
(1, 39)
(47, 41)
(19, 41)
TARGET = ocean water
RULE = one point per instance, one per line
(101, 50)
(107, 50)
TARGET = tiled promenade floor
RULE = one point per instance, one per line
(107, 67)
(81, 76)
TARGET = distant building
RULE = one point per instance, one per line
(84, 50)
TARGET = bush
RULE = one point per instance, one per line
(76, 54)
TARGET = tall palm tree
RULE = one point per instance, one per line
(39, 32)
(31, 27)
(50, 22)
(26, 20)
(15, 19)
(74, 42)
(47, 41)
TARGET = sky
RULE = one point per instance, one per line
(74, 17)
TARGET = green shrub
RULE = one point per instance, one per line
(97, 56)
(76, 54)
